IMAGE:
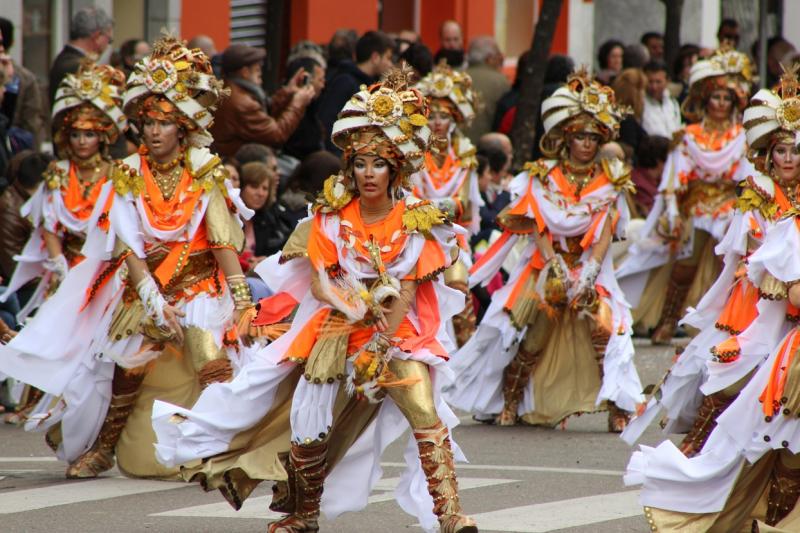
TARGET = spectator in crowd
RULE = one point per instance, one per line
(654, 42)
(681, 68)
(267, 231)
(451, 36)
(609, 59)
(341, 49)
(257, 152)
(130, 52)
(493, 194)
(234, 169)
(646, 175)
(779, 52)
(22, 103)
(451, 45)
(206, 44)
(634, 56)
(24, 174)
(488, 82)
(306, 181)
(310, 135)
(419, 57)
(404, 39)
(374, 52)
(90, 33)
(629, 88)
(497, 141)
(5, 154)
(662, 113)
(243, 116)
(728, 32)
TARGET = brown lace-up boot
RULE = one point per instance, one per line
(784, 491)
(308, 462)
(706, 420)
(100, 457)
(673, 309)
(515, 378)
(437, 463)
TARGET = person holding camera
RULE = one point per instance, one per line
(246, 116)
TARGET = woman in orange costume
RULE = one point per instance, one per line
(448, 178)
(746, 477)
(161, 276)
(366, 339)
(87, 119)
(742, 316)
(555, 340)
(674, 264)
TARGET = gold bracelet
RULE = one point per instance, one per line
(240, 291)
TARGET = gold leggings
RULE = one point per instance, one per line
(414, 401)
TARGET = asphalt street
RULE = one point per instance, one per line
(519, 479)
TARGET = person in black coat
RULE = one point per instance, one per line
(374, 51)
(90, 33)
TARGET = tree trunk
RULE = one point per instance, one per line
(672, 31)
(531, 75)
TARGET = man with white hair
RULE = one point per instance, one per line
(485, 61)
(91, 31)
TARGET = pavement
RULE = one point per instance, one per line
(519, 479)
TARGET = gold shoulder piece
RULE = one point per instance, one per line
(126, 178)
(752, 199)
(54, 177)
(334, 195)
(422, 217)
(212, 174)
(618, 173)
(538, 168)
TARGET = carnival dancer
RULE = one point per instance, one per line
(87, 119)
(449, 177)
(556, 340)
(368, 339)
(160, 279)
(737, 315)
(674, 264)
(748, 469)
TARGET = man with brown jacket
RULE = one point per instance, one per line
(243, 117)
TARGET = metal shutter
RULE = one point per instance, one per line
(249, 22)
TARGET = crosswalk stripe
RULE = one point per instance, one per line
(554, 516)
(80, 491)
(28, 459)
(522, 468)
(258, 507)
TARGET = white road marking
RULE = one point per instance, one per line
(28, 459)
(509, 468)
(258, 507)
(554, 516)
(80, 491)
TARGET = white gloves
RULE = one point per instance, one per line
(154, 303)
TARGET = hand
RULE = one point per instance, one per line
(7, 66)
(253, 261)
(295, 83)
(171, 315)
(246, 339)
(794, 295)
(304, 95)
(377, 317)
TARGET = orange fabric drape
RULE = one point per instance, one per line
(78, 199)
(771, 396)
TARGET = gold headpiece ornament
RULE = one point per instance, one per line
(450, 89)
(388, 119)
(773, 116)
(727, 69)
(174, 80)
(581, 104)
(391, 114)
(90, 99)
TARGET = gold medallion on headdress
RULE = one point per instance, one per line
(451, 90)
(89, 99)
(177, 81)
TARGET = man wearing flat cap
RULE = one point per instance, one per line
(246, 116)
